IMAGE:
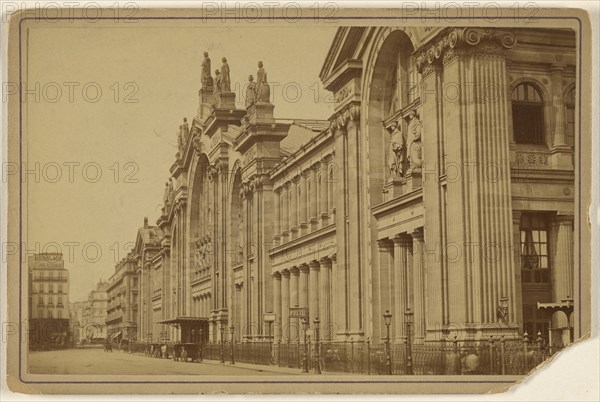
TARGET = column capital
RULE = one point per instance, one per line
(314, 264)
(326, 261)
(402, 239)
(295, 271)
(562, 220)
(276, 275)
(303, 268)
(285, 273)
(384, 244)
(418, 234)
(444, 46)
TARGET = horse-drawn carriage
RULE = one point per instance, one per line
(153, 350)
(184, 351)
(108, 346)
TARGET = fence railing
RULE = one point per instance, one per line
(488, 357)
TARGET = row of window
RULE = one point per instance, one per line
(48, 313)
(41, 288)
(528, 115)
(50, 274)
(50, 300)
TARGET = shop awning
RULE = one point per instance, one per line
(184, 320)
(115, 335)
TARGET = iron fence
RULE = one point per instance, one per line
(456, 357)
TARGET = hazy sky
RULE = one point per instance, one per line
(73, 129)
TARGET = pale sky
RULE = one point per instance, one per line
(162, 66)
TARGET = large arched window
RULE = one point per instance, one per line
(528, 114)
(570, 117)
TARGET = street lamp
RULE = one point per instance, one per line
(232, 329)
(408, 319)
(222, 342)
(387, 319)
(305, 324)
(317, 351)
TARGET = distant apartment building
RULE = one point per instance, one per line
(88, 318)
(122, 301)
(48, 301)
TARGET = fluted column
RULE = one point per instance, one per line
(323, 194)
(277, 305)
(294, 208)
(303, 203)
(285, 304)
(294, 301)
(418, 284)
(558, 106)
(562, 268)
(277, 216)
(314, 191)
(401, 246)
(313, 291)
(303, 286)
(325, 297)
(285, 212)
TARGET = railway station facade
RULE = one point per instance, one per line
(441, 190)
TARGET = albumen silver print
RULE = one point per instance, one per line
(367, 200)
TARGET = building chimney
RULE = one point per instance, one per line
(145, 221)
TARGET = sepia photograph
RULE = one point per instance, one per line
(247, 201)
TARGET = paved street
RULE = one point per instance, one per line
(96, 361)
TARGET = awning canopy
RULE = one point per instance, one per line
(116, 334)
(184, 320)
(566, 306)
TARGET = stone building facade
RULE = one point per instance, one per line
(441, 190)
(122, 306)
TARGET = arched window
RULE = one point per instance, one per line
(528, 114)
(570, 117)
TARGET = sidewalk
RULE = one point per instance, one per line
(257, 367)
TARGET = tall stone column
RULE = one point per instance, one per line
(401, 246)
(419, 284)
(357, 237)
(277, 215)
(382, 290)
(303, 286)
(294, 301)
(515, 302)
(479, 193)
(562, 269)
(313, 291)
(340, 272)
(294, 208)
(285, 213)
(277, 305)
(558, 106)
(323, 194)
(303, 204)
(285, 304)
(325, 297)
(314, 189)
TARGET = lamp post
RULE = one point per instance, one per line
(305, 324)
(317, 350)
(232, 329)
(387, 319)
(408, 319)
(222, 328)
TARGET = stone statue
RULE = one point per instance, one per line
(206, 78)
(186, 130)
(166, 194)
(413, 143)
(250, 92)
(263, 91)
(396, 153)
(225, 79)
(217, 83)
(180, 142)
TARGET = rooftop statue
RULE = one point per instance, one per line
(206, 78)
(225, 79)
(217, 83)
(263, 91)
(396, 152)
(250, 91)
